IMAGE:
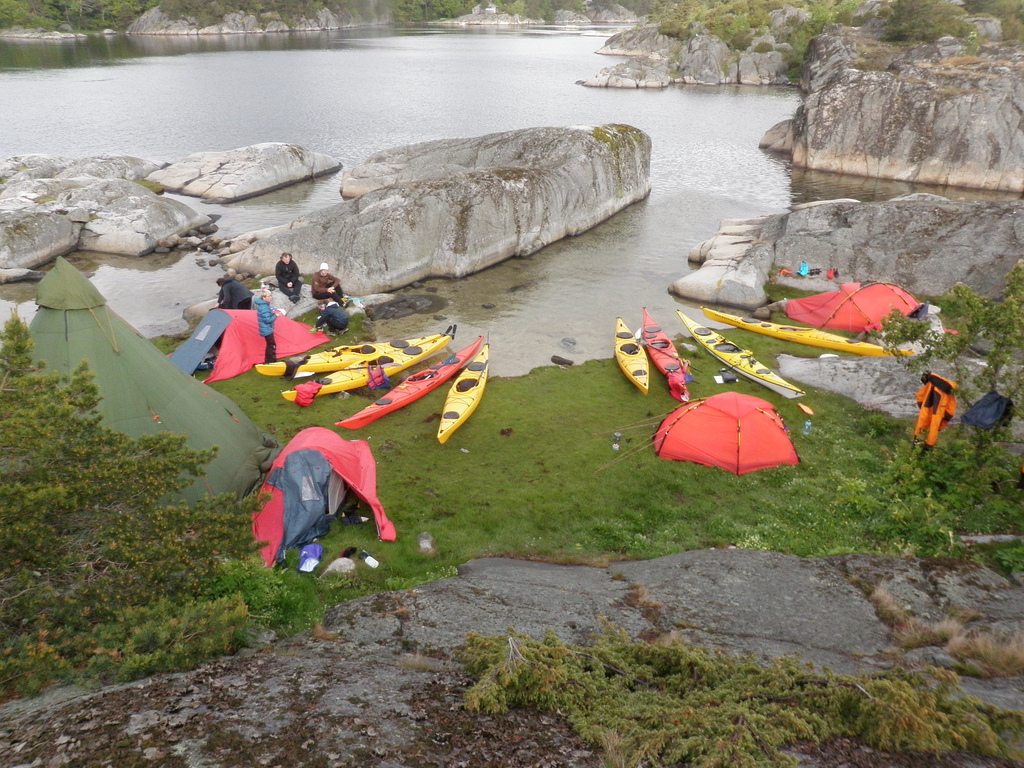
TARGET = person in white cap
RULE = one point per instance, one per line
(326, 286)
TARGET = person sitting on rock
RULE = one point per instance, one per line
(288, 279)
(233, 295)
(326, 286)
(332, 317)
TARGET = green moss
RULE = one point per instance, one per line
(152, 186)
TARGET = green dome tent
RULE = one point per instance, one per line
(143, 392)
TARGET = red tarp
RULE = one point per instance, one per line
(738, 433)
(242, 347)
(854, 307)
(350, 459)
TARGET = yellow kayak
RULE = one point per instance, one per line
(812, 337)
(740, 360)
(341, 357)
(631, 356)
(393, 362)
(464, 395)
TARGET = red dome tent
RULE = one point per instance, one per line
(738, 433)
(854, 307)
(306, 482)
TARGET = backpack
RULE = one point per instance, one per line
(377, 377)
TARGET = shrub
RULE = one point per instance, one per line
(166, 637)
(84, 536)
(924, 21)
(670, 703)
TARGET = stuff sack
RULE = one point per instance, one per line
(309, 557)
(306, 393)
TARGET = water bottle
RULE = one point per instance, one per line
(426, 543)
(616, 439)
(807, 427)
(369, 559)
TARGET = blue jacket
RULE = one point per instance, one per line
(265, 315)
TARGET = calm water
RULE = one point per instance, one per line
(352, 94)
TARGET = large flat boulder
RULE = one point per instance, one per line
(126, 218)
(223, 177)
(26, 167)
(31, 239)
(451, 208)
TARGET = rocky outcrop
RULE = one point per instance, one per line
(611, 13)
(56, 205)
(40, 35)
(224, 177)
(925, 243)
(701, 59)
(453, 207)
(156, 22)
(396, 653)
(932, 115)
(491, 20)
(733, 271)
(632, 74)
(564, 18)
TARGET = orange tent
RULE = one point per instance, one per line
(853, 307)
(738, 433)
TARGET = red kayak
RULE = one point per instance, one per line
(413, 388)
(663, 354)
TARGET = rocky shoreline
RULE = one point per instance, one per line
(380, 684)
(444, 208)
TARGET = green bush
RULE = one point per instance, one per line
(924, 21)
(166, 637)
(276, 598)
(84, 535)
(671, 703)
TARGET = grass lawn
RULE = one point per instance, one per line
(533, 474)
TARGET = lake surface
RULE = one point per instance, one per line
(354, 93)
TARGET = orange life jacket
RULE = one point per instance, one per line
(937, 403)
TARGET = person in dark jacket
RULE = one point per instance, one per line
(332, 317)
(325, 285)
(288, 279)
(266, 317)
(233, 295)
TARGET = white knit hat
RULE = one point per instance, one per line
(324, 266)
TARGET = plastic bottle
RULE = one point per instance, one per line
(616, 439)
(426, 543)
(807, 427)
(369, 559)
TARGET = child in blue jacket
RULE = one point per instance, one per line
(266, 317)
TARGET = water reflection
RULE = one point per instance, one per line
(808, 186)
